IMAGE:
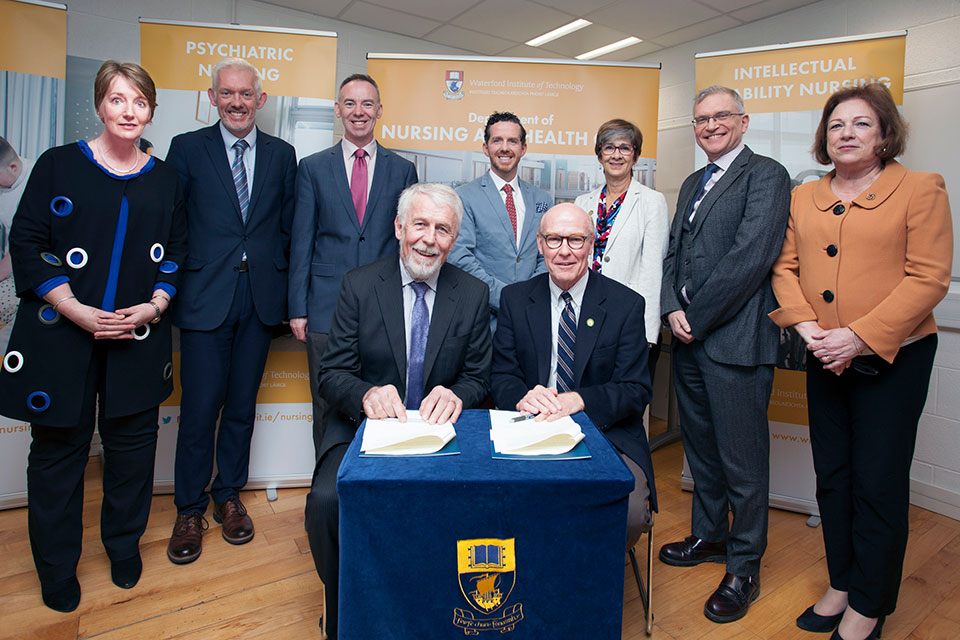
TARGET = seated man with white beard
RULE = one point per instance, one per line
(408, 333)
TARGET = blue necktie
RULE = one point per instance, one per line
(566, 341)
(240, 178)
(708, 171)
(419, 328)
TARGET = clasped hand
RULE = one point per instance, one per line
(835, 348)
(547, 404)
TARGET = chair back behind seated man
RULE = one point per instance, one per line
(407, 333)
(573, 340)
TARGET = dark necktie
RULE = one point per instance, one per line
(240, 178)
(511, 208)
(708, 171)
(566, 341)
(358, 183)
(419, 328)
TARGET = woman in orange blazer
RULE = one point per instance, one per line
(866, 258)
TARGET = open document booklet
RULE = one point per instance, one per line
(514, 436)
(415, 437)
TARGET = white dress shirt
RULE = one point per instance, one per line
(348, 159)
(556, 308)
(518, 203)
(409, 298)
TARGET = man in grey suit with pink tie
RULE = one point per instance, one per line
(346, 204)
(730, 221)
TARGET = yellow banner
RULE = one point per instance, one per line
(286, 378)
(33, 39)
(801, 77)
(788, 401)
(442, 104)
(292, 64)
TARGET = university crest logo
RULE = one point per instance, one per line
(486, 568)
(454, 84)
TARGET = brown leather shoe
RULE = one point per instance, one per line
(732, 598)
(237, 525)
(186, 543)
(692, 551)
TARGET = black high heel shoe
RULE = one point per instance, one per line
(874, 635)
(810, 620)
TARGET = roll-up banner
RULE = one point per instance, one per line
(784, 88)
(33, 50)
(298, 69)
(436, 108)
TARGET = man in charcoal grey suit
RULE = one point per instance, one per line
(346, 203)
(730, 221)
(408, 333)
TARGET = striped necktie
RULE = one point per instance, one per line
(240, 178)
(566, 341)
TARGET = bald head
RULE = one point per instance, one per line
(559, 227)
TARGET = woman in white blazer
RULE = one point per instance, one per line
(631, 223)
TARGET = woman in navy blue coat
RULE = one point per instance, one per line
(97, 244)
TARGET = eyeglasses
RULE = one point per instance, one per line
(574, 242)
(722, 117)
(624, 149)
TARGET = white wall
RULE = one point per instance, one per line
(932, 93)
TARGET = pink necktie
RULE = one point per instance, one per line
(358, 183)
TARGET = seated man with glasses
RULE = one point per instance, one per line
(573, 340)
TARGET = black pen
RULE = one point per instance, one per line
(521, 418)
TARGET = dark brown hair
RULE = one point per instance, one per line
(134, 73)
(893, 128)
(616, 129)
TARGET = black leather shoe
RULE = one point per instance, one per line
(186, 543)
(732, 598)
(692, 551)
(63, 597)
(874, 635)
(237, 526)
(810, 620)
(126, 573)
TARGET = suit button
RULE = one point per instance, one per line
(832, 250)
(518, 259)
(828, 295)
(686, 262)
(838, 210)
(245, 238)
(362, 238)
(606, 258)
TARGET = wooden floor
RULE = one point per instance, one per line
(268, 588)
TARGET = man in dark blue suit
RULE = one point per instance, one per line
(380, 360)
(727, 231)
(346, 204)
(239, 193)
(573, 340)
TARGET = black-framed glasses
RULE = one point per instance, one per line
(574, 242)
(624, 149)
(722, 117)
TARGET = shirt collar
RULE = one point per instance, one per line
(349, 148)
(882, 188)
(406, 278)
(498, 182)
(576, 291)
(229, 139)
(727, 159)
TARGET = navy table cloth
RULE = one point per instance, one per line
(465, 545)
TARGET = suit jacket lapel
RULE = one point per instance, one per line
(342, 187)
(587, 335)
(444, 305)
(530, 212)
(727, 179)
(538, 321)
(389, 290)
(218, 156)
(629, 209)
(261, 169)
(380, 176)
(497, 206)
